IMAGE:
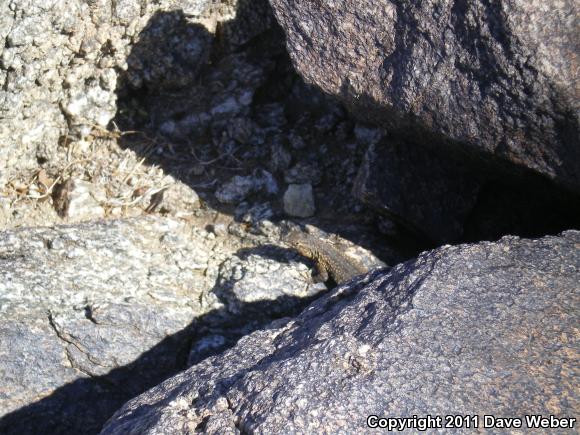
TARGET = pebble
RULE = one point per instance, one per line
(235, 190)
(219, 230)
(299, 200)
(79, 200)
(257, 213)
(239, 187)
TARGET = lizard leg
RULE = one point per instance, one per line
(321, 274)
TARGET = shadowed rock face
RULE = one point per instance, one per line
(94, 314)
(80, 307)
(469, 329)
(495, 79)
(450, 198)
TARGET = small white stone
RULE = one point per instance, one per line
(362, 351)
(82, 200)
(299, 200)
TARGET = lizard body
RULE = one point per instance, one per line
(329, 260)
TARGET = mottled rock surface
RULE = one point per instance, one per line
(299, 200)
(498, 80)
(78, 303)
(77, 200)
(93, 314)
(430, 194)
(480, 329)
(61, 62)
(239, 187)
(450, 198)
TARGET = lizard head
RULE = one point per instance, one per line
(298, 241)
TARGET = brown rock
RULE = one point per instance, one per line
(497, 79)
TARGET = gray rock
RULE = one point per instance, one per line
(471, 329)
(240, 187)
(228, 107)
(61, 63)
(266, 228)
(257, 286)
(209, 343)
(91, 314)
(429, 194)
(299, 200)
(267, 182)
(272, 115)
(447, 198)
(255, 214)
(179, 199)
(79, 200)
(252, 17)
(236, 190)
(184, 46)
(94, 314)
(488, 80)
(326, 123)
(220, 230)
(387, 227)
(296, 141)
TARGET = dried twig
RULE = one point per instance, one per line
(130, 174)
(148, 192)
(57, 180)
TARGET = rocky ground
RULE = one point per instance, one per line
(155, 241)
(240, 139)
(153, 153)
(402, 342)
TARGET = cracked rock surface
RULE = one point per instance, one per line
(93, 314)
(480, 329)
(77, 302)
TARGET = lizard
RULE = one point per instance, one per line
(330, 262)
